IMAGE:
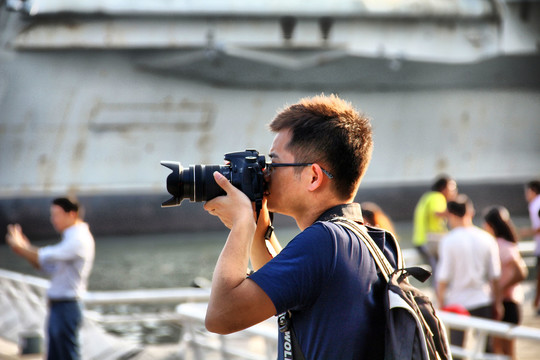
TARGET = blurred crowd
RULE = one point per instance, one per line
(477, 271)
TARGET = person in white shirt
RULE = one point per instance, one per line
(68, 263)
(469, 267)
(532, 195)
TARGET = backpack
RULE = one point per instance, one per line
(413, 329)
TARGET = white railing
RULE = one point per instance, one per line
(199, 343)
(147, 296)
(480, 329)
(258, 342)
(23, 310)
(22, 304)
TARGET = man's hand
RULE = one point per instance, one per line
(235, 302)
(235, 207)
(16, 239)
(21, 245)
(232, 208)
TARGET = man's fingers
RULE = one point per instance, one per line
(11, 233)
(12, 229)
(222, 181)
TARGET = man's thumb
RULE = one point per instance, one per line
(222, 181)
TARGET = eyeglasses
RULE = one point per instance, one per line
(270, 167)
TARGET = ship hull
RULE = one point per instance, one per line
(89, 105)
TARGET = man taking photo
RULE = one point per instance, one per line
(325, 276)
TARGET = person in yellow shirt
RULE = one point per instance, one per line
(429, 223)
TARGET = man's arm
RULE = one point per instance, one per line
(21, 245)
(236, 302)
(441, 292)
(528, 232)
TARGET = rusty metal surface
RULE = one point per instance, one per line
(412, 8)
(90, 105)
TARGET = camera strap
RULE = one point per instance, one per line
(269, 232)
(270, 229)
(258, 208)
(291, 348)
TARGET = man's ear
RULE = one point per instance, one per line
(73, 215)
(316, 177)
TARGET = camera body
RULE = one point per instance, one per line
(244, 169)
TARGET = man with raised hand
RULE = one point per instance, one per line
(68, 263)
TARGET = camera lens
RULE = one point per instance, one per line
(196, 182)
(200, 184)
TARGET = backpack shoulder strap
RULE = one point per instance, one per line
(382, 262)
(400, 262)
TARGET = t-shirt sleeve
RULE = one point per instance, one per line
(534, 209)
(298, 273)
(67, 249)
(437, 203)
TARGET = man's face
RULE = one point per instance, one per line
(529, 194)
(283, 182)
(450, 192)
(60, 219)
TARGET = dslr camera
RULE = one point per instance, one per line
(244, 169)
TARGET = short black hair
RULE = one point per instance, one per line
(534, 185)
(459, 206)
(441, 183)
(329, 130)
(66, 204)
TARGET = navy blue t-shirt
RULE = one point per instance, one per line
(328, 279)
